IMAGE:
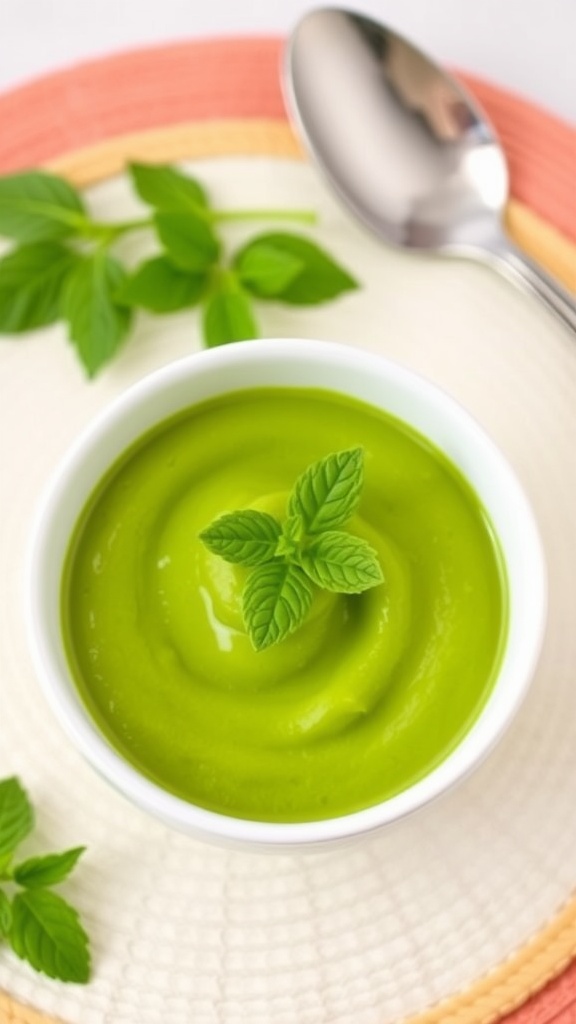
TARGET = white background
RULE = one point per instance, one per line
(527, 46)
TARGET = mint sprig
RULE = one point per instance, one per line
(97, 323)
(328, 492)
(246, 537)
(64, 264)
(275, 601)
(39, 924)
(289, 559)
(342, 563)
(38, 207)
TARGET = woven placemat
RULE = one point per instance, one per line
(549, 952)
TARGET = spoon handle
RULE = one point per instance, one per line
(524, 272)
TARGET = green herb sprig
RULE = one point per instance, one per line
(307, 550)
(63, 265)
(40, 925)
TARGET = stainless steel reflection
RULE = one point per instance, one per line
(405, 146)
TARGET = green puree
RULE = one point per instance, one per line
(369, 695)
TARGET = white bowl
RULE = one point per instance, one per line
(374, 380)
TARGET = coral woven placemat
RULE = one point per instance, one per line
(223, 97)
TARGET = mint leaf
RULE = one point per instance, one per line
(266, 271)
(167, 188)
(228, 317)
(287, 558)
(46, 931)
(97, 323)
(247, 537)
(319, 279)
(5, 862)
(31, 282)
(35, 206)
(293, 528)
(328, 492)
(90, 290)
(275, 601)
(292, 535)
(38, 872)
(341, 563)
(5, 914)
(16, 815)
(161, 287)
(40, 926)
(189, 240)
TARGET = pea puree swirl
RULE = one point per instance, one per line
(369, 694)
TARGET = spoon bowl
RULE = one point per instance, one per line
(405, 146)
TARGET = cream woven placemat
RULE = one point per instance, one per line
(502, 987)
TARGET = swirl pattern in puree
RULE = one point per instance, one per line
(370, 694)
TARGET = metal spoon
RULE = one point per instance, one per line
(405, 146)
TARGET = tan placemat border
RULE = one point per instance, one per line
(497, 994)
(552, 949)
(275, 138)
(12, 1012)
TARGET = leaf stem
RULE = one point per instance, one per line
(302, 216)
(133, 225)
(110, 232)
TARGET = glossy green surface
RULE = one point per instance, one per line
(369, 695)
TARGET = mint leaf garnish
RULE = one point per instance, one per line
(35, 206)
(161, 287)
(228, 315)
(40, 926)
(5, 914)
(31, 281)
(38, 872)
(246, 538)
(291, 538)
(63, 265)
(267, 271)
(167, 188)
(188, 239)
(46, 931)
(97, 322)
(318, 279)
(16, 815)
(328, 492)
(288, 559)
(275, 601)
(342, 563)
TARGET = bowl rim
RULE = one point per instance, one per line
(119, 419)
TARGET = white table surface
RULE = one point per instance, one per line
(527, 46)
